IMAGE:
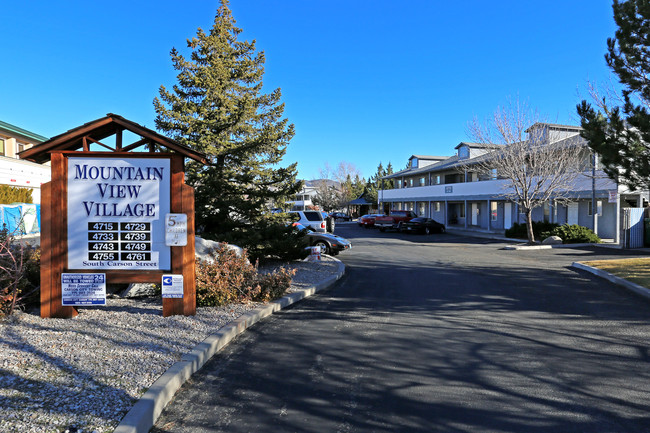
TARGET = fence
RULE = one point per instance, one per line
(633, 227)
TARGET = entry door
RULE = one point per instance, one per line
(572, 213)
(474, 214)
(507, 215)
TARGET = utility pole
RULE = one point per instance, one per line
(594, 204)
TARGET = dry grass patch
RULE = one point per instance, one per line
(634, 270)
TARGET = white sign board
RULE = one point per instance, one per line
(116, 213)
(612, 196)
(176, 230)
(172, 286)
(83, 289)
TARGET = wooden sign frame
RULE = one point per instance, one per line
(54, 209)
(54, 238)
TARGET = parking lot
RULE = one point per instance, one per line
(437, 333)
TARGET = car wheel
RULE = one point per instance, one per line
(382, 229)
(427, 230)
(324, 248)
(442, 229)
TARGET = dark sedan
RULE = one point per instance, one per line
(328, 243)
(423, 225)
(341, 216)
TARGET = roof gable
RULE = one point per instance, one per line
(93, 132)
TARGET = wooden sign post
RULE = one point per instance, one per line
(106, 217)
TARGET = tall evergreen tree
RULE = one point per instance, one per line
(218, 107)
(621, 134)
(376, 183)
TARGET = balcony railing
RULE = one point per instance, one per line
(485, 188)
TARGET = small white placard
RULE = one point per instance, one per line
(83, 289)
(176, 229)
(612, 196)
(172, 286)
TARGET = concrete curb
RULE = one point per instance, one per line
(547, 247)
(145, 412)
(639, 290)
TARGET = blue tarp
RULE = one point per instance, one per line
(20, 218)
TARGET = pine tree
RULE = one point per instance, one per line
(375, 183)
(621, 134)
(218, 107)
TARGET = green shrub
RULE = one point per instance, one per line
(269, 238)
(519, 231)
(231, 278)
(575, 234)
(12, 194)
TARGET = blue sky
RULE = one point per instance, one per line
(363, 81)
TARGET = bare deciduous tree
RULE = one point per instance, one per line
(537, 167)
(349, 185)
(328, 195)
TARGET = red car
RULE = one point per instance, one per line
(368, 221)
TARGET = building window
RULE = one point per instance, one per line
(399, 183)
(462, 211)
(2, 146)
(437, 179)
(422, 209)
(414, 163)
(436, 206)
(493, 211)
(547, 212)
(423, 181)
(599, 208)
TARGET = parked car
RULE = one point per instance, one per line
(423, 225)
(341, 216)
(368, 221)
(394, 220)
(311, 218)
(328, 243)
(329, 222)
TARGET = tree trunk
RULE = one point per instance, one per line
(529, 226)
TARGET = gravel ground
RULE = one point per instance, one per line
(84, 374)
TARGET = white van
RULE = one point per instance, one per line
(312, 219)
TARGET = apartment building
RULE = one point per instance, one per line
(449, 191)
(17, 172)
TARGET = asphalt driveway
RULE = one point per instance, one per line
(439, 333)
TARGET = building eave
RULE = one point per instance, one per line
(22, 133)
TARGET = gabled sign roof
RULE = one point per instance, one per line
(83, 136)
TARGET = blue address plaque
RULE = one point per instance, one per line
(83, 289)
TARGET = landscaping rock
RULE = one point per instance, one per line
(204, 247)
(139, 290)
(552, 240)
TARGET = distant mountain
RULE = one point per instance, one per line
(316, 182)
